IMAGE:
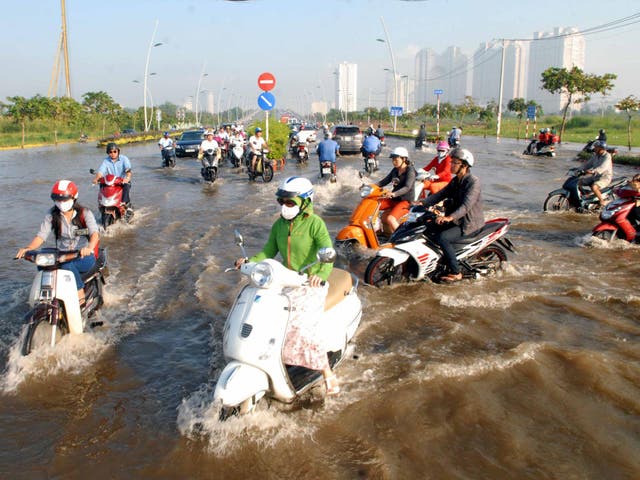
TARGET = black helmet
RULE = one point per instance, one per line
(599, 144)
(112, 146)
(602, 130)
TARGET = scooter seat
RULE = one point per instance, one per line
(488, 228)
(340, 285)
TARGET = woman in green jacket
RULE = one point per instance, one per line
(297, 235)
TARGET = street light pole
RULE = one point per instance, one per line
(500, 94)
(393, 66)
(202, 75)
(146, 74)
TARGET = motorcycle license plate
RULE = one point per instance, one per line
(326, 170)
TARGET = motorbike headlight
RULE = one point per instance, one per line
(45, 259)
(262, 275)
(366, 191)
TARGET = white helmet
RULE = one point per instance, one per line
(399, 152)
(295, 187)
(462, 154)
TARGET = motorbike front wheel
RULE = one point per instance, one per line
(488, 261)
(107, 219)
(381, 271)
(557, 203)
(267, 173)
(606, 235)
(40, 333)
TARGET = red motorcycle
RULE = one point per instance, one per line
(614, 222)
(110, 203)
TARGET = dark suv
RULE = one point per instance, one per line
(189, 143)
(349, 137)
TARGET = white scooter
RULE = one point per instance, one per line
(55, 308)
(255, 330)
(237, 151)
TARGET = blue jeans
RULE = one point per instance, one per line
(78, 266)
(444, 236)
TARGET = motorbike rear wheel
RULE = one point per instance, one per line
(381, 271)
(557, 203)
(107, 219)
(39, 334)
(488, 261)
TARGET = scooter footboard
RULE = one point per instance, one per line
(238, 382)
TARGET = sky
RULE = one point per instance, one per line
(300, 42)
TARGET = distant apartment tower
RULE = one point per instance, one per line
(487, 59)
(562, 48)
(210, 105)
(448, 72)
(347, 87)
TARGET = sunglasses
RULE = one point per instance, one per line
(287, 202)
(113, 151)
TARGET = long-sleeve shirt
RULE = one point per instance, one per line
(443, 168)
(602, 165)
(466, 202)
(404, 187)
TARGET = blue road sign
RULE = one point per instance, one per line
(531, 111)
(266, 101)
(395, 111)
(438, 92)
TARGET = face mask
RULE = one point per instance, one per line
(289, 213)
(441, 155)
(64, 206)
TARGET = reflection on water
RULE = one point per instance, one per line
(531, 373)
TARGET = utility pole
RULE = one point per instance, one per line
(498, 123)
(63, 50)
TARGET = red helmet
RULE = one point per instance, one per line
(64, 190)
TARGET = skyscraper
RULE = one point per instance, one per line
(562, 48)
(486, 72)
(347, 87)
(448, 72)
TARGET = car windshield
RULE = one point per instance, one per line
(191, 136)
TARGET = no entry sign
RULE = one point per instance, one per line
(266, 81)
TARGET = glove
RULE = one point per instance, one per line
(200, 156)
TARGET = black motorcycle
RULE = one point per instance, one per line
(168, 156)
(209, 170)
(263, 167)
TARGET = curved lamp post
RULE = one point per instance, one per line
(393, 66)
(146, 74)
(202, 75)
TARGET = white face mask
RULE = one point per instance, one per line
(441, 155)
(289, 213)
(64, 206)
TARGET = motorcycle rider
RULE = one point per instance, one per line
(208, 144)
(421, 137)
(463, 215)
(297, 235)
(380, 132)
(65, 219)
(602, 136)
(118, 165)
(165, 141)
(599, 173)
(455, 136)
(256, 144)
(442, 165)
(327, 151)
(403, 178)
(629, 224)
(371, 144)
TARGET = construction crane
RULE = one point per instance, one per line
(63, 51)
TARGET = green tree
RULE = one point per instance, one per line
(628, 105)
(22, 109)
(101, 104)
(466, 109)
(576, 85)
(519, 107)
(487, 114)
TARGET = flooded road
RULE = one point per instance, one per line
(533, 373)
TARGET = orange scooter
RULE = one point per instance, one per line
(366, 228)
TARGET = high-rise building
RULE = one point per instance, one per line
(487, 61)
(562, 48)
(448, 72)
(347, 87)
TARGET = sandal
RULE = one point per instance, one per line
(332, 385)
(452, 277)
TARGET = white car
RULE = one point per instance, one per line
(307, 135)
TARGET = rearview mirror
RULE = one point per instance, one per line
(326, 255)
